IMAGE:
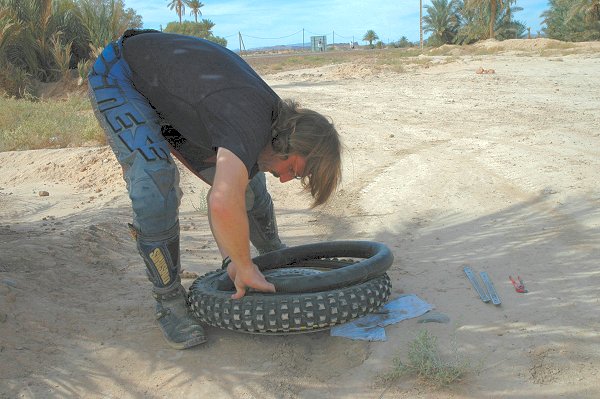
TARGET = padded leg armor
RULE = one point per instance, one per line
(133, 131)
(161, 255)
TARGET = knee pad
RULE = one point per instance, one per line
(155, 195)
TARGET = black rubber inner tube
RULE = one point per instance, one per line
(376, 259)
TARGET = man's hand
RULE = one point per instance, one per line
(248, 278)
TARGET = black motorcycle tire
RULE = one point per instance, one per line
(337, 291)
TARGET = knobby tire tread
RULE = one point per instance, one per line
(313, 290)
(267, 313)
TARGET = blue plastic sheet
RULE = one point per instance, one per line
(371, 326)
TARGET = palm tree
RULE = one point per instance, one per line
(370, 36)
(572, 20)
(559, 25)
(9, 30)
(421, 24)
(507, 27)
(104, 21)
(178, 6)
(403, 42)
(493, 7)
(29, 26)
(590, 9)
(442, 21)
(195, 6)
(36, 32)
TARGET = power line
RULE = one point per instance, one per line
(290, 35)
(274, 38)
(316, 34)
(333, 35)
(343, 37)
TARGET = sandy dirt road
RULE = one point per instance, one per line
(446, 166)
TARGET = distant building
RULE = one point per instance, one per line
(318, 43)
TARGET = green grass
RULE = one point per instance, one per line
(426, 363)
(26, 124)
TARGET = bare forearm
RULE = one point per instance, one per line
(229, 225)
(227, 208)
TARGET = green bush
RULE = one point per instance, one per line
(202, 29)
(26, 125)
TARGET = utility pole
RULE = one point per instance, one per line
(333, 44)
(242, 46)
(302, 39)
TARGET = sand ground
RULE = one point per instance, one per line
(446, 166)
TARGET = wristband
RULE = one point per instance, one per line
(225, 262)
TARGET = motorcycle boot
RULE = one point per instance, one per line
(161, 256)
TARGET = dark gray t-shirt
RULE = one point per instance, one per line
(207, 93)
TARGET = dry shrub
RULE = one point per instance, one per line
(426, 363)
(15, 82)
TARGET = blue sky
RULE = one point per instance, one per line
(272, 22)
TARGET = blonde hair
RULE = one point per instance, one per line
(304, 132)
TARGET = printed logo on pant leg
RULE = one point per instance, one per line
(133, 131)
(161, 265)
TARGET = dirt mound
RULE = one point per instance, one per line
(527, 45)
(520, 46)
(451, 49)
(352, 71)
(82, 168)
